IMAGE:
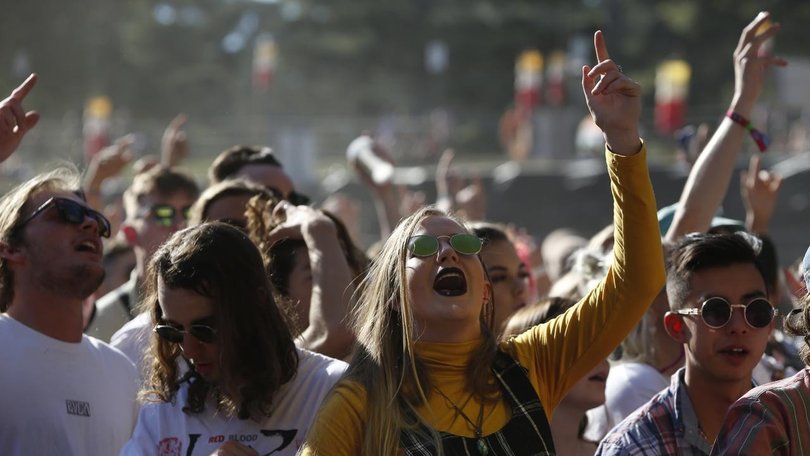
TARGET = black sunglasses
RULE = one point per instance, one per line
(72, 212)
(716, 312)
(164, 214)
(203, 333)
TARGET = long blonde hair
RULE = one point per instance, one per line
(385, 359)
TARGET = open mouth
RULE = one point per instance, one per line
(87, 246)
(450, 282)
(735, 351)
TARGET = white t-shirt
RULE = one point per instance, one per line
(60, 398)
(164, 429)
(133, 340)
(629, 386)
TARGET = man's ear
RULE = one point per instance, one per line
(11, 254)
(675, 327)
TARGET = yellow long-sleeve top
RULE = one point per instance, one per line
(556, 354)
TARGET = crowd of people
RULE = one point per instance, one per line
(240, 319)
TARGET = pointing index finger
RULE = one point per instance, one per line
(600, 46)
(20, 92)
(753, 167)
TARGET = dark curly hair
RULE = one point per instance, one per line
(798, 324)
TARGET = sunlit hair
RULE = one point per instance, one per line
(158, 180)
(224, 189)
(589, 265)
(15, 206)
(639, 345)
(698, 251)
(798, 324)
(230, 161)
(489, 232)
(256, 351)
(385, 362)
(279, 256)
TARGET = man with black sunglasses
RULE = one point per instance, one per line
(721, 314)
(156, 204)
(60, 392)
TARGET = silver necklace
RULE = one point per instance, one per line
(483, 449)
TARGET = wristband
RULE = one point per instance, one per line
(759, 137)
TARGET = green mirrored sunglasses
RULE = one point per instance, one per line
(423, 245)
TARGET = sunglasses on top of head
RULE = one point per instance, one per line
(72, 212)
(716, 312)
(424, 245)
(203, 333)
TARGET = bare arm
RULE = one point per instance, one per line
(384, 194)
(107, 163)
(708, 181)
(327, 332)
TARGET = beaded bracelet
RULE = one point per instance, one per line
(759, 137)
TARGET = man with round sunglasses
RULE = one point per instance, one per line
(774, 418)
(61, 392)
(721, 314)
(156, 205)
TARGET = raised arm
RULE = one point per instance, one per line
(14, 121)
(384, 194)
(559, 353)
(107, 163)
(708, 180)
(454, 194)
(327, 332)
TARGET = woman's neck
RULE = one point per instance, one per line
(447, 331)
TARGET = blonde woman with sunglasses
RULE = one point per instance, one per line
(428, 376)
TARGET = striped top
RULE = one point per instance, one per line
(770, 419)
(666, 425)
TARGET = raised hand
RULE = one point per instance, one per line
(759, 189)
(295, 222)
(751, 62)
(110, 161)
(14, 121)
(174, 144)
(613, 99)
(107, 163)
